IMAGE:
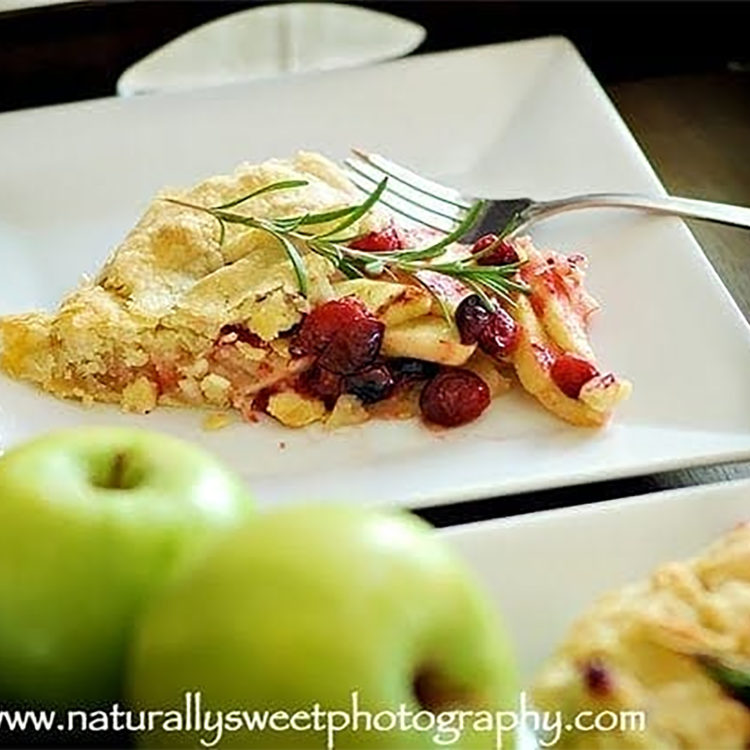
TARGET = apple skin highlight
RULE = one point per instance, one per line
(306, 605)
(92, 522)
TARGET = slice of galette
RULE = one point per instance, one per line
(279, 289)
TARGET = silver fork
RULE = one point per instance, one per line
(443, 208)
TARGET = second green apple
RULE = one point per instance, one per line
(310, 604)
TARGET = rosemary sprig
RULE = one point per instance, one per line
(297, 233)
(733, 678)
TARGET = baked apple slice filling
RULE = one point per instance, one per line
(553, 359)
(277, 290)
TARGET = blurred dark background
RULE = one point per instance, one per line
(78, 50)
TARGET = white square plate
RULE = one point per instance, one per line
(592, 549)
(514, 119)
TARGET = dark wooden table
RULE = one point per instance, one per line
(684, 95)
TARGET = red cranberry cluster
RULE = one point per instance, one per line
(345, 339)
(495, 331)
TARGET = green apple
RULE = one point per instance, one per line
(92, 522)
(306, 606)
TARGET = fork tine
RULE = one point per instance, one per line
(413, 180)
(422, 200)
(409, 210)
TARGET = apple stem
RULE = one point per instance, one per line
(116, 476)
(435, 694)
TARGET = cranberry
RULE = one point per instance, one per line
(406, 369)
(326, 385)
(454, 397)
(389, 238)
(597, 677)
(471, 317)
(500, 336)
(372, 384)
(354, 347)
(324, 322)
(503, 254)
(483, 242)
(571, 372)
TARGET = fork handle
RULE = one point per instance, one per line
(722, 213)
